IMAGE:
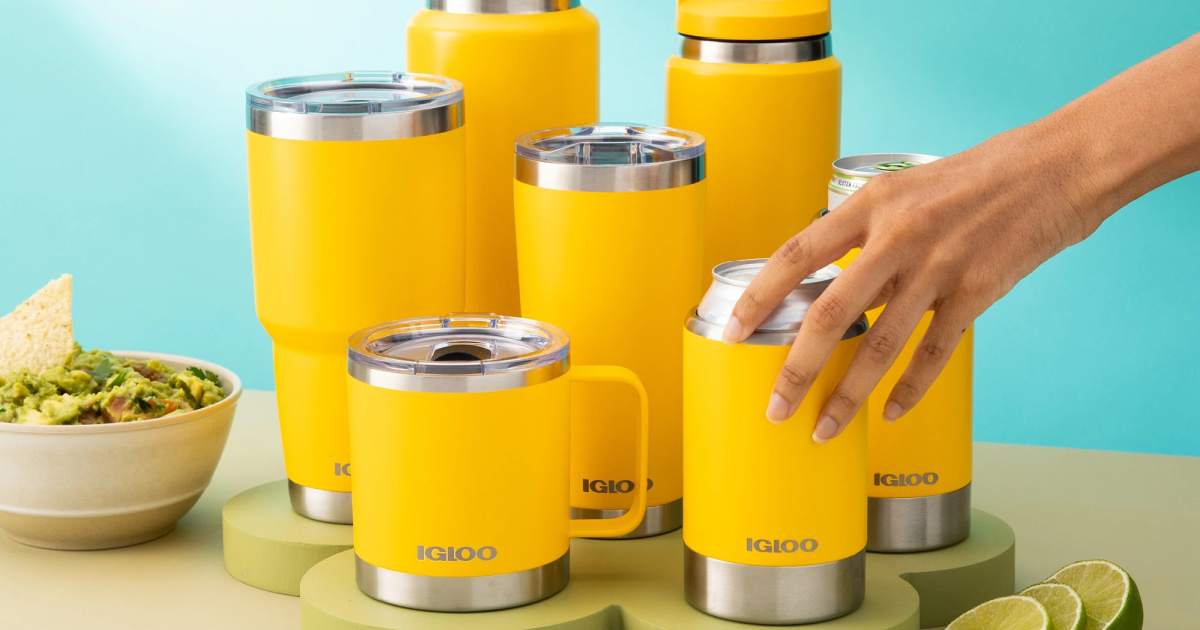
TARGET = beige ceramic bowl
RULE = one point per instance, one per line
(101, 486)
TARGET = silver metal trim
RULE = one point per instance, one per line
(462, 594)
(773, 52)
(659, 519)
(709, 330)
(456, 383)
(774, 595)
(505, 7)
(919, 523)
(321, 505)
(624, 178)
(353, 127)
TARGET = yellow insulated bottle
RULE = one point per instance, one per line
(775, 527)
(609, 236)
(758, 79)
(526, 64)
(919, 467)
(352, 178)
(460, 430)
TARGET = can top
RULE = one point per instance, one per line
(872, 164)
(360, 93)
(459, 352)
(610, 144)
(760, 20)
(730, 280)
(505, 7)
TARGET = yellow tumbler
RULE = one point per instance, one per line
(506, 53)
(609, 237)
(460, 432)
(353, 177)
(758, 79)
(776, 524)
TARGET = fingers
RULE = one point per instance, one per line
(824, 324)
(819, 244)
(876, 353)
(931, 355)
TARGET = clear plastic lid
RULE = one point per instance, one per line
(730, 280)
(610, 144)
(459, 344)
(354, 93)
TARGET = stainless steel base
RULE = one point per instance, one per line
(659, 519)
(918, 524)
(463, 594)
(774, 596)
(321, 505)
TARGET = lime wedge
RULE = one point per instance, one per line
(1109, 595)
(1015, 612)
(1062, 603)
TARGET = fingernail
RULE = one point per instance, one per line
(892, 411)
(826, 430)
(777, 409)
(733, 331)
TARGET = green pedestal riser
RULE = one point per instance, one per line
(269, 546)
(638, 585)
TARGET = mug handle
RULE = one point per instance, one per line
(629, 521)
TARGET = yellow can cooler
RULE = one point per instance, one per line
(460, 432)
(776, 524)
(352, 176)
(919, 467)
(506, 53)
(759, 81)
(609, 246)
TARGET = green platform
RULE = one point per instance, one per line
(638, 585)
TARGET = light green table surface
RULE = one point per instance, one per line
(1141, 511)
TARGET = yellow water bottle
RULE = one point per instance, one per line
(353, 177)
(609, 236)
(758, 79)
(507, 53)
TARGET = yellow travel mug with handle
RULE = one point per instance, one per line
(776, 524)
(507, 53)
(460, 431)
(758, 79)
(353, 176)
(609, 244)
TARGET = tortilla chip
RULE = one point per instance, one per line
(38, 334)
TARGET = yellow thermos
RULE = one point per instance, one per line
(353, 176)
(758, 79)
(507, 53)
(776, 524)
(460, 431)
(919, 467)
(609, 236)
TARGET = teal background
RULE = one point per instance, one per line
(122, 161)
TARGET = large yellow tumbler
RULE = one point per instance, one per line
(527, 64)
(758, 79)
(609, 236)
(460, 429)
(356, 217)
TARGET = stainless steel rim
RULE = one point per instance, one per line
(659, 519)
(321, 505)
(628, 178)
(456, 384)
(463, 594)
(774, 52)
(709, 330)
(774, 595)
(508, 7)
(918, 523)
(346, 127)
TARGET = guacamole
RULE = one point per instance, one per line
(94, 387)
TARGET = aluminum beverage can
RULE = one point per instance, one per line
(853, 172)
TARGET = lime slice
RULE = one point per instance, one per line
(1015, 612)
(1062, 603)
(1109, 595)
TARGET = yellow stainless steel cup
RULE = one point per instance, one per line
(507, 53)
(776, 524)
(460, 432)
(759, 81)
(609, 236)
(352, 177)
(919, 468)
